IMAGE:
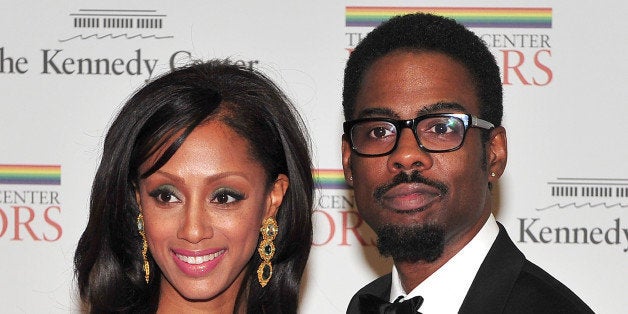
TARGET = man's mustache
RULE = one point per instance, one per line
(403, 177)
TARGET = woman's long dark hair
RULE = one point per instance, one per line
(108, 261)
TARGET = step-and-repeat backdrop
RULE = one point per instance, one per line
(66, 68)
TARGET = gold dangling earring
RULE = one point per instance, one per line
(266, 250)
(140, 228)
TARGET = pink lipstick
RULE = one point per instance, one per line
(197, 263)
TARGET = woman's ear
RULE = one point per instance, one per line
(277, 192)
(138, 199)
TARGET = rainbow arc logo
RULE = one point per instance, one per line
(473, 17)
(328, 179)
(30, 174)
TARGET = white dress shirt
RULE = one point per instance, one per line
(444, 290)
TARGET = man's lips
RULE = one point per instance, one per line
(410, 197)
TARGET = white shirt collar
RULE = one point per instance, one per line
(445, 289)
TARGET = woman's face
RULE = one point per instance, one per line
(202, 214)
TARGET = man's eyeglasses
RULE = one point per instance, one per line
(435, 133)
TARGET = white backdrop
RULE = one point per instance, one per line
(563, 197)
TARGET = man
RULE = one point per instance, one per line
(422, 145)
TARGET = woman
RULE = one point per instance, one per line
(202, 200)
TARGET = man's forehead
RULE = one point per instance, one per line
(413, 83)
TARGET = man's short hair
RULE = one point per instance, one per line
(427, 32)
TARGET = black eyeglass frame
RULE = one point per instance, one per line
(469, 121)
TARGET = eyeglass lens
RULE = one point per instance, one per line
(434, 134)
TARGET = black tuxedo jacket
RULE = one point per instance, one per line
(505, 283)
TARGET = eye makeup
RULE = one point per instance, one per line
(226, 195)
(165, 194)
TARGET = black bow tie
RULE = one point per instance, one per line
(370, 304)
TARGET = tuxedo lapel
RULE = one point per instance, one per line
(380, 287)
(495, 278)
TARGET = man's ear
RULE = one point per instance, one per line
(497, 153)
(277, 192)
(346, 161)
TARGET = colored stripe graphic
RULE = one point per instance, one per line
(329, 179)
(30, 174)
(469, 17)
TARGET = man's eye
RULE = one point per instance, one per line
(380, 132)
(441, 128)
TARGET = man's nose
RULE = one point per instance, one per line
(408, 155)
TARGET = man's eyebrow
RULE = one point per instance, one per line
(389, 113)
(440, 106)
(377, 112)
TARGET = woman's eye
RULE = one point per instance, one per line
(226, 196)
(164, 194)
(167, 198)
